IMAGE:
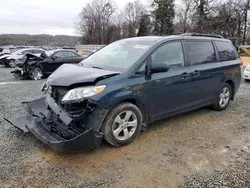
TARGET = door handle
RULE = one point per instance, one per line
(196, 73)
(184, 75)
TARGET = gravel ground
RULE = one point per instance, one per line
(198, 149)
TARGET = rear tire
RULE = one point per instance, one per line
(122, 125)
(36, 74)
(223, 98)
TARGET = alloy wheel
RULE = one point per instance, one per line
(224, 97)
(12, 63)
(125, 125)
(37, 74)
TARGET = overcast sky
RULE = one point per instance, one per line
(42, 16)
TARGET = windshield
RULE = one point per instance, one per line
(49, 52)
(119, 55)
(19, 52)
(13, 50)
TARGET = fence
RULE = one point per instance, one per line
(87, 49)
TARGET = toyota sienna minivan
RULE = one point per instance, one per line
(115, 96)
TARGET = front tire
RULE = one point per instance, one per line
(223, 98)
(11, 63)
(122, 125)
(36, 74)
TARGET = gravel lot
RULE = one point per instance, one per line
(198, 149)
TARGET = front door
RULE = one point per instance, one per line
(168, 92)
(59, 58)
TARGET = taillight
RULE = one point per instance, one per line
(241, 63)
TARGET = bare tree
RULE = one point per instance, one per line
(99, 23)
(184, 15)
(107, 11)
(93, 21)
(245, 20)
(133, 12)
(205, 9)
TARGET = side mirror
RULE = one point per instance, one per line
(54, 58)
(158, 67)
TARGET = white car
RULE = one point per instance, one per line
(3, 59)
(18, 55)
(4, 51)
(246, 74)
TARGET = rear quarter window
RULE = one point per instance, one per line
(72, 54)
(226, 51)
(37, 51)
(201, 52)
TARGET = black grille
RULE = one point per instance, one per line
(56, 126)
(58, 93)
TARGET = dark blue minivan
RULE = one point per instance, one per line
(119, 90)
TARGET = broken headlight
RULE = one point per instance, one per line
(79, 94)
(44, 87)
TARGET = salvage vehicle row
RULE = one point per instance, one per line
(9, 60)
(37, 66)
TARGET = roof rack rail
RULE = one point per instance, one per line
(202, 35)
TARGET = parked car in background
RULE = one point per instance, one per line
(4, 51)
(35, 67)
(10, 59)
(114, 97)
(3, 59)
(246, 74)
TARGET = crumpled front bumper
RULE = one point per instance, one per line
(19, 73)
(35, 123)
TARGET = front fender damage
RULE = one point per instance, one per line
(55, 127)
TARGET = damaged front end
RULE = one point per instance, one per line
(64, 127)
(24, 67)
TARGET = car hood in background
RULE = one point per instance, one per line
(69, 74)
(4, 56)
(15, 57)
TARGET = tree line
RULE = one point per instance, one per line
(101, 22)
(38, 40)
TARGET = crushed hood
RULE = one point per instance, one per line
(29, 58)
(13, 56)
(30, 55)
(69, 74)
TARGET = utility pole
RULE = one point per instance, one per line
(245, 21)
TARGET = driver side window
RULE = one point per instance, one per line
(170, 53)
(62, 54)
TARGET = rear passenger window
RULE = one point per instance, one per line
(201, 52)
(226, 51)
(73, 54)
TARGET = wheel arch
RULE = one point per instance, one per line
(9, 60)
(232, 84)
(137, 103)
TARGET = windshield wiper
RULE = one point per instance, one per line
(97, 67)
